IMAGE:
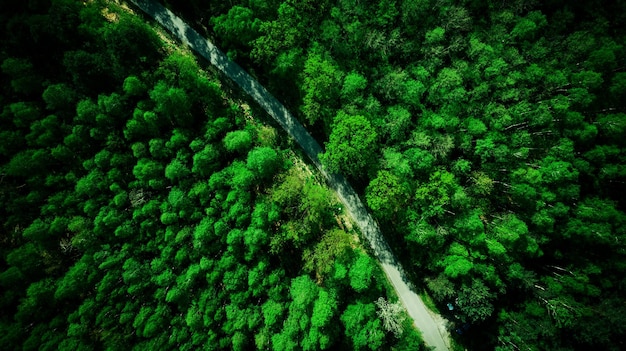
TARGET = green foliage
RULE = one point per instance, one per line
(238, 141)
(171, 104)
(133, 86)
(386, 195)
(321, 81)
(205, 161)
(59, 97)
(263, 162)
(397, 123)
(475, 301)
(239, 26)
(487, 138)
(363, 327)
(148, 171)
(23, 77)
(435, 195)
(361, 273)
(176, 170)
(457, 263)
(350, 149)
(353, 85)
(130, 38)
(75, 281)
(333, 245)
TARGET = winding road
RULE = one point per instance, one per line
(431, 326)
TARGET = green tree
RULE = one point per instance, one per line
(128, 39)
(362, 326)
(59, 97)
(351, 148)
(238, 27)
(206, 161)
(332, 246)
(397, 123)
(176, 170)
(321, 85)
(361, 272)
(457, 263)
(149, 172)
(24, 79)
(303, 293)
(324, 309)
(76, 280)
(172, 104)
(475, 301)
(24, 113)
(353, 86)
(240, 176)
(133, 86)
(238, 141)
(432, 197)
(263, 162)
(386, 195)
(286, 31)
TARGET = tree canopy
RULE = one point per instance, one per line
(144, 205)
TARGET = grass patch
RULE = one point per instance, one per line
(429, 302)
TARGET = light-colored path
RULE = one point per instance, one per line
(431, 326)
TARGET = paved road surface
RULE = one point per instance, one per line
(430, 325)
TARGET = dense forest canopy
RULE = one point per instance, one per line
(142, 207)
(487, 137)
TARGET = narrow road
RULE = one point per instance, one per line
(430, 325)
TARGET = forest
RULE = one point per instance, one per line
(487, 137)
(144, 204)
(145, 207)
